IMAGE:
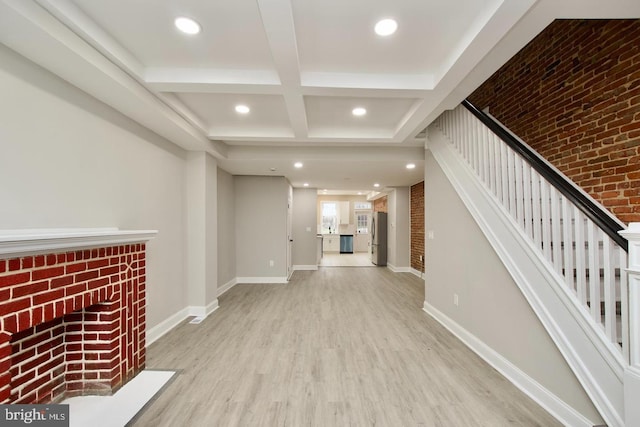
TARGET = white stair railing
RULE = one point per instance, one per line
(591, 263)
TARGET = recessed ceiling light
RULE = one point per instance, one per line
(386, 27)
(297, 165)
(187, 25)
(359, 193)
(306, 184)
(359, 111)
(242, 109)
(411, 166)
(376, 185)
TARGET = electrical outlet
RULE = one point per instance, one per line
(455, 299)
(271, 263)
(430, 235)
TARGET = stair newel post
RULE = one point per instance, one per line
(632, 372)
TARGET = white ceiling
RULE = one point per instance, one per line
(300, 65)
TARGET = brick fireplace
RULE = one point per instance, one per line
(72, 321)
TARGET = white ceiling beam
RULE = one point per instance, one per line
(79, 22)
(362, 133)
(201, 87)
(255, 134)
(312, 142)
(212, 80)
(297, 113)
(72, 16)
(353, 153)
(362, 93)
(277, 19)
(33, 32)
(411, 82)
(180, 108)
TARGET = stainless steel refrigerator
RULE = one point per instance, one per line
(379, 238)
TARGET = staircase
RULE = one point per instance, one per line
(560, 246)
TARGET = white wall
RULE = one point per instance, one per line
(226, 229)
(67, 160)
(305, 226)
(460, 260)
(261, 226)
(399, 228)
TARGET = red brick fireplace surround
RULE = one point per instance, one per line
(72, 312)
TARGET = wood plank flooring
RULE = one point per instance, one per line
(334, 347)
(360, 259)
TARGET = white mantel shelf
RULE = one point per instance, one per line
(18, 243)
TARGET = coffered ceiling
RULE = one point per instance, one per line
(301, 66)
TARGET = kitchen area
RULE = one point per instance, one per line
(345, 231)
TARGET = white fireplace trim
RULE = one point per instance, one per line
(18, 243)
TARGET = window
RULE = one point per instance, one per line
(329, 217)
(362, 206)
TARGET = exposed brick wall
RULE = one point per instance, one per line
(380, 205)
(71, 323)
(573, 94)
(417, 226)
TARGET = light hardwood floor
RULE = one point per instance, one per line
(334, 347)
(360, 259)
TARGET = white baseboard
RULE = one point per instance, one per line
(549, 401)
(305, 267)
(156, 332)
(398, 269)
(417, 273)
(262, 279)
(202, 311)
(230, 284)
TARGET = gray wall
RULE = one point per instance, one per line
(305, 217)
(211, 247)
(67, 160)
(195, 190)
(261, 226)
(399, 227)
(226, 229)
(202, 229)
(460, 260)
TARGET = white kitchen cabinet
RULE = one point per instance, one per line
(331, 243)
(345, 217)
(361, 243)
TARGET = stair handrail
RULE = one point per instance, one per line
(591, 209)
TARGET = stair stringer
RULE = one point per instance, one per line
(597, 364)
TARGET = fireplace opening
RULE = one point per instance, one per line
(72, 323)
(38, 363)
(69, 356)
